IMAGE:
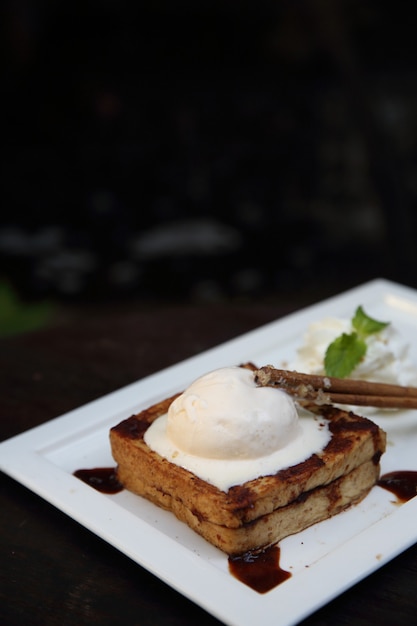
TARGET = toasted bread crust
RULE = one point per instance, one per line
(355, 440)
(264, 510)
(310, 507)
(260, 511)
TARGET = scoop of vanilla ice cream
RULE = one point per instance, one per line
(227, 430)
(387, 357)
(225, 415)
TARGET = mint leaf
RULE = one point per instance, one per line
(365, 325)
(343, 355)
(347, 351)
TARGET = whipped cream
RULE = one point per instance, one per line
(387, 357)
(227, 430)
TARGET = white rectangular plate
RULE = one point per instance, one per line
(375, 531)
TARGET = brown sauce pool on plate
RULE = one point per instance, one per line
(259, 569)
(403, 484)
(104, 479)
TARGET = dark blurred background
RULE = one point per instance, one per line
(203, 151)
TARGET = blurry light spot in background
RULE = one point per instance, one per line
(186, 237)
(67, 271)
(17, 241)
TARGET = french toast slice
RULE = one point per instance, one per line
(261, 511)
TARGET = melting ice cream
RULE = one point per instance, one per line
(227, 430)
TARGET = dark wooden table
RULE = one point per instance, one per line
(54, 571)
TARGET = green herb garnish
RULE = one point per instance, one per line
(348, 350)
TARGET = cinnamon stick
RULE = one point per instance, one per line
(338, 390)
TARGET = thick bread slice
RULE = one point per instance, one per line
(310, 507)
(355, 441)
